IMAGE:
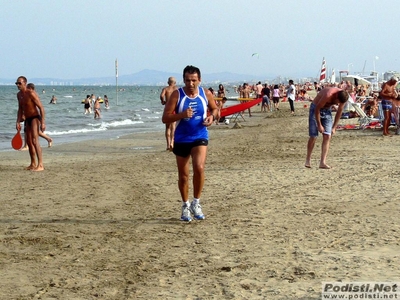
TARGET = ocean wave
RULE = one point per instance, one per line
(125, 122)
(96, 127)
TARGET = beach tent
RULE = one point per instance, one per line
(359, 79)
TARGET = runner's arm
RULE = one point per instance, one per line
(212, 106)
(169, 116)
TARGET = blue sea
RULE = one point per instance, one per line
(138, 110)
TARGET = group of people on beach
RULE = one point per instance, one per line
(187, 107)
(91, 103)
(191, 109)
(31, 111)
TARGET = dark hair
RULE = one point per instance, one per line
(30, 86)
(276, 86)
(343, 96)
(23, 78)
(290, 81)
(191, 70)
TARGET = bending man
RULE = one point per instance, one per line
(320, 120)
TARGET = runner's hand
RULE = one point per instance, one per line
(189, 112)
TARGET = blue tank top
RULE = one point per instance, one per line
(191, 129)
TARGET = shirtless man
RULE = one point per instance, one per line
(320, 120)
(388, 94)
(245, 93)
(97, 108)
(30, 106)
(169, 127)
(31, 86)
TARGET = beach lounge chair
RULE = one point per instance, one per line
(382, 116)
(364, 119)
(395, 118)
(235, 116)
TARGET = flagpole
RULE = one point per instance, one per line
(116, 78)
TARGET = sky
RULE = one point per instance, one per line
(74, 39)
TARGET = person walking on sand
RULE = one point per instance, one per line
(275, 96)
(30, 106)
(388, 94)
(320, 120)
(291, 95)
(188, 107)
(266, 92)
(258, 90)
(169, 127)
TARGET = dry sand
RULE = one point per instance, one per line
(102, 221)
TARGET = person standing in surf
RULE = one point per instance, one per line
(106, 102)
(97, 108)
(30, 106)
(188, 107)
(169, 127)
(87, 104)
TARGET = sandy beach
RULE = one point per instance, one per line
(102, 221)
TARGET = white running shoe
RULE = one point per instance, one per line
(195, 209)
(186, 213)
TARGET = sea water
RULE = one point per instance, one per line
(132, 109)
(138, 109)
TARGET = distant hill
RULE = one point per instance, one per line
(144, 77)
